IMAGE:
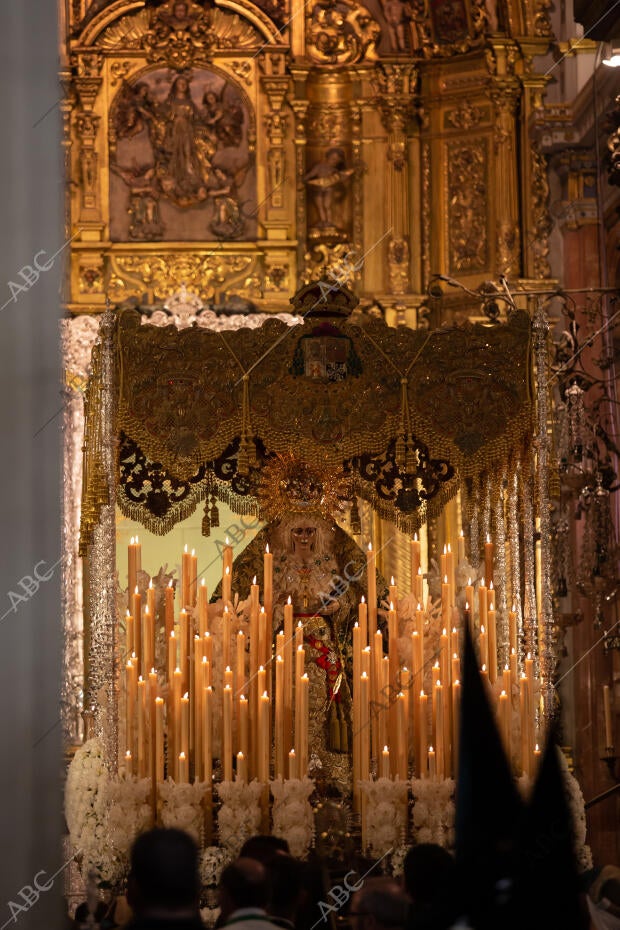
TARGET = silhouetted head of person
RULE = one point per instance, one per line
(264, 848)
(429, 874)
(243, 884)
(286, 885)
(380, 904)
(163, 877)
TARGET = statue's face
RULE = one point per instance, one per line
(303, 538)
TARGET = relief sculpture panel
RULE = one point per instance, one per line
(180, 160)
(467, 224)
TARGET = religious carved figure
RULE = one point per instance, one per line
(186, 148)
(327, 181)
(342, 32)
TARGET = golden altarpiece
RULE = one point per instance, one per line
(226, 160)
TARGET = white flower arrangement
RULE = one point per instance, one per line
(212, 863)
(128, 812)
(397, 860)
(433, 811)
(292, 813)
(386, 814)
(86, 808)
(239, 816)
(181, 806)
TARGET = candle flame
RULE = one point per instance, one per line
(461, 534)
(356, 625)
(185, 549)
(227, 541)
(469, 582)
(466, 605)
(140, 680)
(227, 570)
(445, 579)
(512, 651)
(506, 667)
(443, 632)
(131, 543)
(488, 537)
(457, 682)
(129, 664)
(482, 628)
(227, 688)
(193, 553)
(288, 600)
(265, 695)
(299, 624)
(392, 582)
(537, 748)
(243, 698)
(133, 657)
(484, 668)
(150, 584)
(228, 668)
(304, 677)
(254, 580)
(292, 752)
(370, 547)
(415, 537)
(454, 655)
(364, 675)
(444, 549)
(491, 607)
(182, 756)
(529, 656)
(128, 614)
(262, 609)
(137, 541)
(482, 582)
(405, 669)
(419, 606)
(490, 585)
(240, 756)
(419, 570)
(204, 660)
(438, 683)
(186, 696)
(449, 548)
(422, 695)
(430, 749)
(514, 608)
(502, 694)
(385, 749)
(128, 753)
(363, 600)
(177, 670)
(267, 549)
(136, 590)
(391, 605)
(207, 634)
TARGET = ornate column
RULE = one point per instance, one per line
(300, 108)
(87, 82)
(505, 93)
(396, 87)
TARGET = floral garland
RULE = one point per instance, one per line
(292, 813)
(181, 806)
(240, 814)
(433, 811)
(386, 814)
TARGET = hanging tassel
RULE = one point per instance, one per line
(344, 732)
(206, 522)
(356, 523)
(215, 514)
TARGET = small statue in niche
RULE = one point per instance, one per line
(327, 181)
(397, 15)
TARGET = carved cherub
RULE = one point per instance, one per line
(325, 179)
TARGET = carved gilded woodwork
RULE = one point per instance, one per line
(159, 275)
(331, 93)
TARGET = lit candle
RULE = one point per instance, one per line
(461, 550)
(415, 556)
(456, 722)
(364, 684)
(505, 723)
(203, 608)
(226, 637)
(484, 647)
(513, 666)
(371, 570)
(131, 684)
(254, 595)
(385, 763)
(183, 769)
(492, 633)
(450, 574)
(454, 639)
(184, 646)
(482, 604)
(169, 609)
(393, 595)
(288, 674)
(128, 763)
(185, 724)
(536, 755)
(134, 565)
(455, 667)
(148, 640)
(393, 664)
(438, 713)
(185, 577)
(302, 750)
(136, 612)
(129, 634)
(227, 567)
(264, 638)
(227, 719)
(268, 582)
(207, 747)
(241, 679)
(279, 720)
(227, 585)
(362, 616)
(422, 733)
(609, 733)
(150, 597)
(172, 655)
(262, 679)
(432, 766)
(193, 577)
(141, 701)
(242, 767)
(444, 660)
(402, 741)
(488, 560)
(263, 738)
(299, 636)
(159, 739)
(244, 731)
(292, 764)
(469, 596)
(207, 651)
(176, 717)
(507, 681)
(445, 601)
(419, 586)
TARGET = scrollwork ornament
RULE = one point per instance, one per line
(341, 32)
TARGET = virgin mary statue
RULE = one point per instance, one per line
(323, 571)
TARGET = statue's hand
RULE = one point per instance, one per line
(328, 606)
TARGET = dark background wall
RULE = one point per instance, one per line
(30, 634)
